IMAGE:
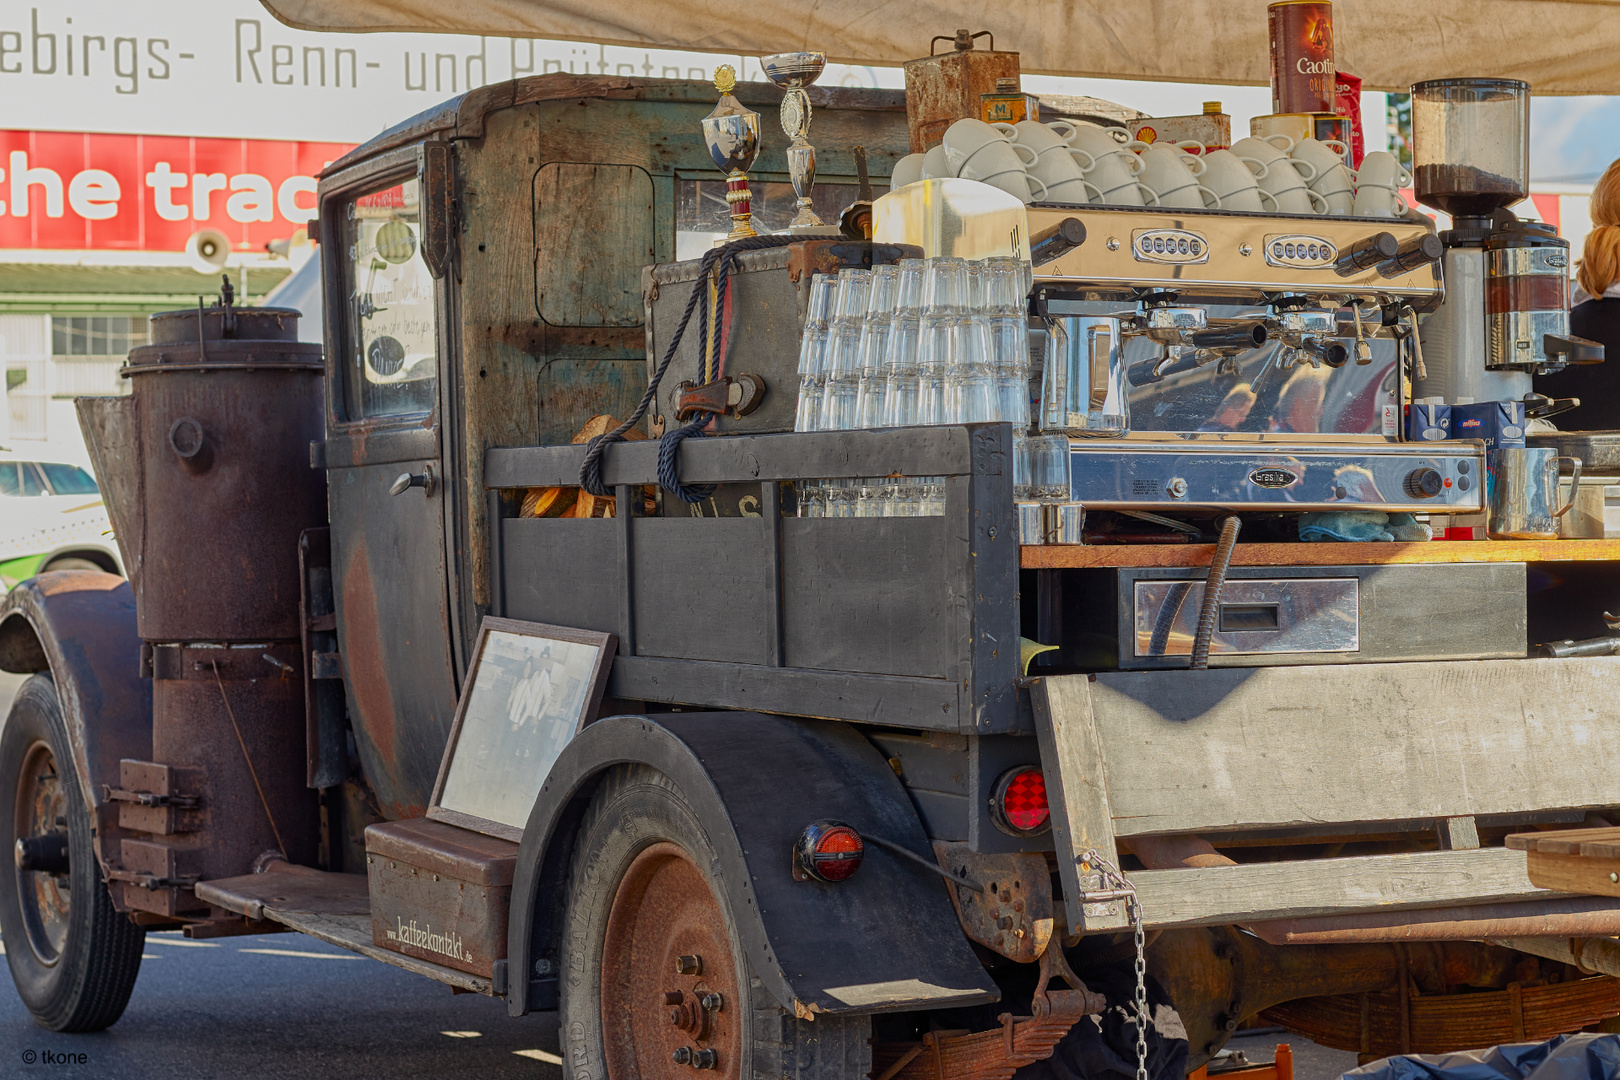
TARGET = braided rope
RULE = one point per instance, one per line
(718, 261)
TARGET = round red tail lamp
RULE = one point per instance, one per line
(1019, 804)
(829, 851)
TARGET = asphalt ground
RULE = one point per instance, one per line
(288, 1006)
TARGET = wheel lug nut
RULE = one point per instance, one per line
(675, 1017)
(689, 965)
(672, 997)
(712, 1001)
(682, 1056)
(705, 1059)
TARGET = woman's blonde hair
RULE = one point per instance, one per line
(1600, 260)
(1600, 257)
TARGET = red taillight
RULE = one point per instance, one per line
(1020, 801)
(829, 851)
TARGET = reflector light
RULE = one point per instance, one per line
(828, 851)
(1020, 800)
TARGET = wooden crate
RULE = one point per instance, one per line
(911, 622)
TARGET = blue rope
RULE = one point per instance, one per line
(718, 261)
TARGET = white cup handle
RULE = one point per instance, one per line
(1337, 147)
(1095, 188)
(1136, 146)
(1119, 135)
(1091, 161)
(1040, 184)
(1257, 167)
(1134, 165)
(1289, 139)
(1212, 200)
(1033, 156)
(1317, 197)
(1400, 208)
(1266, 195)
(1195, 164)
(1006, 129)
(1298, 164)
(1402, 177)
(1149, 194)
(1056, 124)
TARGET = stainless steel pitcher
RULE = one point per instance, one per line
(1524, 491)
(1083, 385)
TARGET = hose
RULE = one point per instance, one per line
(1212, 591)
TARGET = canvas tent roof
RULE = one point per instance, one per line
(1558, 46)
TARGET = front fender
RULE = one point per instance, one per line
(79, 625)
(886, 939)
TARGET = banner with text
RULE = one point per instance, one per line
(84, 191)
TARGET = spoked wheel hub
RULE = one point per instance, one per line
(39, 851)
(670, 1002)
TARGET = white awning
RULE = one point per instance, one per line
(1558, 46)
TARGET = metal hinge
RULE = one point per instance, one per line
(145, 798)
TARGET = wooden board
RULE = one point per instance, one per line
(1061, 556)
(1573, 860)
(1236, 748)
(1078, 795)
(1255, 892)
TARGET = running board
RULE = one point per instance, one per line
(335, 908)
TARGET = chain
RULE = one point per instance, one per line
(1114, 882)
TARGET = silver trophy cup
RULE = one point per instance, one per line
(793, 72)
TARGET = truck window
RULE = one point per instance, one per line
(390, 361)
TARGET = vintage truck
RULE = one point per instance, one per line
(248, 735)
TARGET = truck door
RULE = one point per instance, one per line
(386, 478)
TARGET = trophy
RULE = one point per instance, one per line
(793, 72)
(731, 132)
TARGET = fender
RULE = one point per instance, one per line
(79, 625)
(886, 939)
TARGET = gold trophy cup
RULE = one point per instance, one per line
(731, 133)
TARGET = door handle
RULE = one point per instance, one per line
(406, 481)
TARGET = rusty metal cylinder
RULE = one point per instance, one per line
(227, 403)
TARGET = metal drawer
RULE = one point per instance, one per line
(1269, 615)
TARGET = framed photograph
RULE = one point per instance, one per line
(532, 688)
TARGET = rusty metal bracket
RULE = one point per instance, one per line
(143, 880)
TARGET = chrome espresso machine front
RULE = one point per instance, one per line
(1214, 360)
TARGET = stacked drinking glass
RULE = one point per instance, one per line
(928, 341)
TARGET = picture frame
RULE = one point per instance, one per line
(530, 689)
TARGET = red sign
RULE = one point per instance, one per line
(73, 191)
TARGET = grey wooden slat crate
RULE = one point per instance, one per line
(911, 622)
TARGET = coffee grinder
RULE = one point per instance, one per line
(1506, 312)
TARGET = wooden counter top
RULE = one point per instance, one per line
(1058, 556)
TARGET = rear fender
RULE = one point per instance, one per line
(886, 939)
(79, 626)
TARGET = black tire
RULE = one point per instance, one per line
(74, 964)
(634, 809)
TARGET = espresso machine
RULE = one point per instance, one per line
(1506, 311)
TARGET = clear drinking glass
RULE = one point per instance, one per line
(1009, 365)
(1023, 486)
(938, 336)
(900, 373)
(813, 349)
(1004, 289)
(945, 287)
(819, 311)
(875, 328)
(843, 352)
(970, 379)
(1049, 468)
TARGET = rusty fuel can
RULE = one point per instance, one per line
(942, 88)
(205, 472)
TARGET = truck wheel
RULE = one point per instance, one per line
(73, 957)
(655, 983)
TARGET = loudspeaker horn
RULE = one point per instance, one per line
(207, 250)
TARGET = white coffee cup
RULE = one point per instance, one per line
(1071, 191)
(908, 170)
(968, 139)
(1103, 151)
(1165, 168)
(1130, 193)
(1381, 169)
(935, 166)
(1286, 184)
(1015, 182)
(1261, 154)
(1233, 182)
(993, 159)
(1039, 137)
(1377, 200)
(1323, 156)
(1057, 166)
